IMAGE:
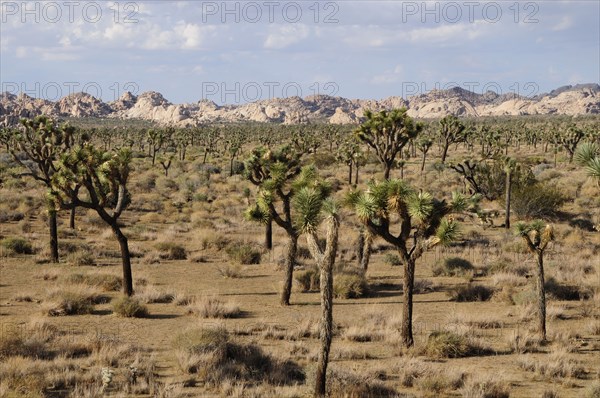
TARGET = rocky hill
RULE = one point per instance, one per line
(567, 100)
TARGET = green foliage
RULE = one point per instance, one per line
(71, 303)
(447, 344)
(129, 307)
(350, 284)
(537, 201)
(15, 245)
(308, 280)
(392, 259)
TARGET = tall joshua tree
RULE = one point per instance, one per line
(422, 225)
(537, 237)
(312, 207)
(274, 172)
(41, 140)
(387, 132)
(103, 177)
(509, 168)
(452, 131)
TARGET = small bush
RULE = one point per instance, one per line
(71, 303)
(212, 307)
(453, 266)
(537, 201)
(129, 307)
(350, 284)
(14, 245)
(470, 293)
(308, 280)
(475, 388)
(230, 271)
(566, 292)
(392, 259)
(81, 258)
(106, 282)
(243, 253)
(171, 251)
(446, 344)
(344, 384)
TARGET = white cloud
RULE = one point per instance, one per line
(280, 37)
(565, 23)
(389, 76)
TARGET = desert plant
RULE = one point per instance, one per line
(471, 293)
(243, 253)
(172, 251)
(537, 200)
(452, 266)
(15, 245)
(537, 237)
(451, 131)
(213, 307)
(420, 215)
(129, 307)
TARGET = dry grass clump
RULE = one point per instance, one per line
(210, 239)
(214, 358)
(171, 251)
(453, 266)
(449, 344)
(525, 342)
(81, 258)
(129, 307)
(14, 245)
(470, 292)
(593, 391)
(243, 253)
(502, 279)
(350, 283)
(363, 334)
(106, 282)
(307, 280)
(555, 365)
(213, 307)
(346, 384)
(150, 294)
(75, 300)
(232, 271)
(485, 388)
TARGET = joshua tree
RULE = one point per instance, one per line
(104, 177)
(387, 132)
(312, 207)
(569, 139)
(273, 172)
(452, 130)
(422, 225)
(509, 169)
(588, 156)
(537, 237)
(423, 145)
(165, 162)
(41, 141)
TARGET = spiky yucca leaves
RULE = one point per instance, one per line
(103, 177)
(537, 236)
(422, 223)
(387, 132)
(312, 206)
(588, 156)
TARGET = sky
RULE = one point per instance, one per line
(240, 51)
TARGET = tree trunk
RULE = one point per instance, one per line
(72, 218)
(541, 293)
(507, 198)
(231, 167)
(350, 174)
(366, 251)
(326, 327)
(409, 282)
(423, 162)
(53, 235)
(445, 152)
(386, 171)
(290, 260)
(204, 159)
(269, 235)
(126, 259)
(356, 175)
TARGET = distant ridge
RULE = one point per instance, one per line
(580, 99)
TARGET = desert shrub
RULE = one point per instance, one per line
(106, 282)
(470, 293)
(392, 259)
(593, 391)
(556, 365)
(345, 384)
(243, 253)
(424, 286)
(537, 201)
(129, 307)
(561, 292)
(150, 294)
(213, 240)
(486, 388)
(15, 245)
(350, 284)
(212, 307)
(209, 353)
(238, 167)
(81, 258)
(447, 344)
(323, 159)
(7, 216)
(308, 280)
(230, 271)
(171, 251)
(452, 266)
(71, 303)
